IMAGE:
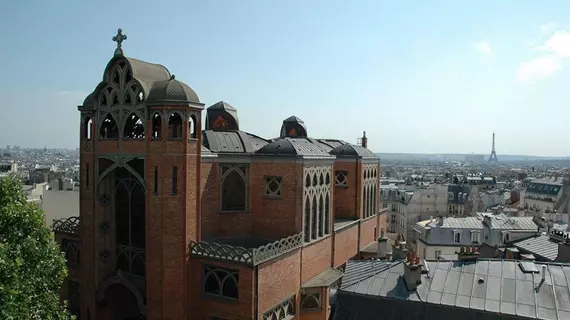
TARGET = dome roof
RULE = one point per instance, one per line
(352, 150)
(222, 116)
(294, 147)
(293, 127)
(171, 91)
(89, 100)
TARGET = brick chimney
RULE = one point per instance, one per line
(382, 251)
(399, 250)
(364, 140)
(468, 253)
(412, 271)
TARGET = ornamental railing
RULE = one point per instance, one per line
(251, 257)
(69, 226)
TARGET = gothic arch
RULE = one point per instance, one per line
(133, 126)
(234, 188)
(119, 279)
(108, 127)
(127, 167)
(156, 126)
(175, 125)
(307, 227)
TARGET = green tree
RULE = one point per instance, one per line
(32, 267)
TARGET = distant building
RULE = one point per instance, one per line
(475, 158)
(546, 195)
(444, 236)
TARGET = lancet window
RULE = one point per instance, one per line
(369, 188)
(317, 193)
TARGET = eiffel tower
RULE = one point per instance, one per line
(493, 157)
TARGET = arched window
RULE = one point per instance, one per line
(315, 217)
(307, 228)
(134, 128)
(234, 188)
(174, 126)
(71, 253)
(130, 221)
(311, 300)
(156, 126)
(193, 127)
(87, 128)
(327, 215)
(109, 128)
(321, 216)
(221, 282)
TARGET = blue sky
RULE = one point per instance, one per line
(418, 76)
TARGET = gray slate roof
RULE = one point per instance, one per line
(231, 141)
(352, 150)
(499, 221)
(171, 91)
(295, 147)
(485, 287)
(540, 246)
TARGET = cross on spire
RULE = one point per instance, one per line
(119, 38)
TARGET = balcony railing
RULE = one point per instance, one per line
(247, 256)
(69, 226)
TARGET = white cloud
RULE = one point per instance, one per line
(554, 50)
(559, 44)
(483, 47)
(537, 68)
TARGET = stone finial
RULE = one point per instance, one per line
(119, 38)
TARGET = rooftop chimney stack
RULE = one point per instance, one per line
(468, 253)
(364, 140)
(382, 250)
(412, 271)
(488, 220)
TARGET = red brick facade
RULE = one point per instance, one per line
(202, 260)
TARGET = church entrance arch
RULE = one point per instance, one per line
(119, 299)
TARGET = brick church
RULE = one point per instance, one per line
(185, 218)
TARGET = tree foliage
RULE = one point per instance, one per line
(32, 267)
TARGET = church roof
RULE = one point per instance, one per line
(352, 150)
(293, 119)
(221, 105)
(171, 91)
(231, 141)
(295, 147)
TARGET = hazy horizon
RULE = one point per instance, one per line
(417, 77)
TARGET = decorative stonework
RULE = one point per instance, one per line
(316, 202)
(285, 310)
(104, 227)
(341, 178)
(369, 190)
(69, 226)
(105, 200)
(250, 257)
(273, 186)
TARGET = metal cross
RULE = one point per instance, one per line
(119, 38)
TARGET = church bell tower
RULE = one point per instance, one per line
(140, 191)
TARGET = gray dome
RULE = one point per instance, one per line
(171, 91)
(89, 100)
(352, 150)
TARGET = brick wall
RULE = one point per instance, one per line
(345, 245)
(275, 217)
(316, 258)
(209, 306)
(367, 235)
(278, 280)
(346, 198)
